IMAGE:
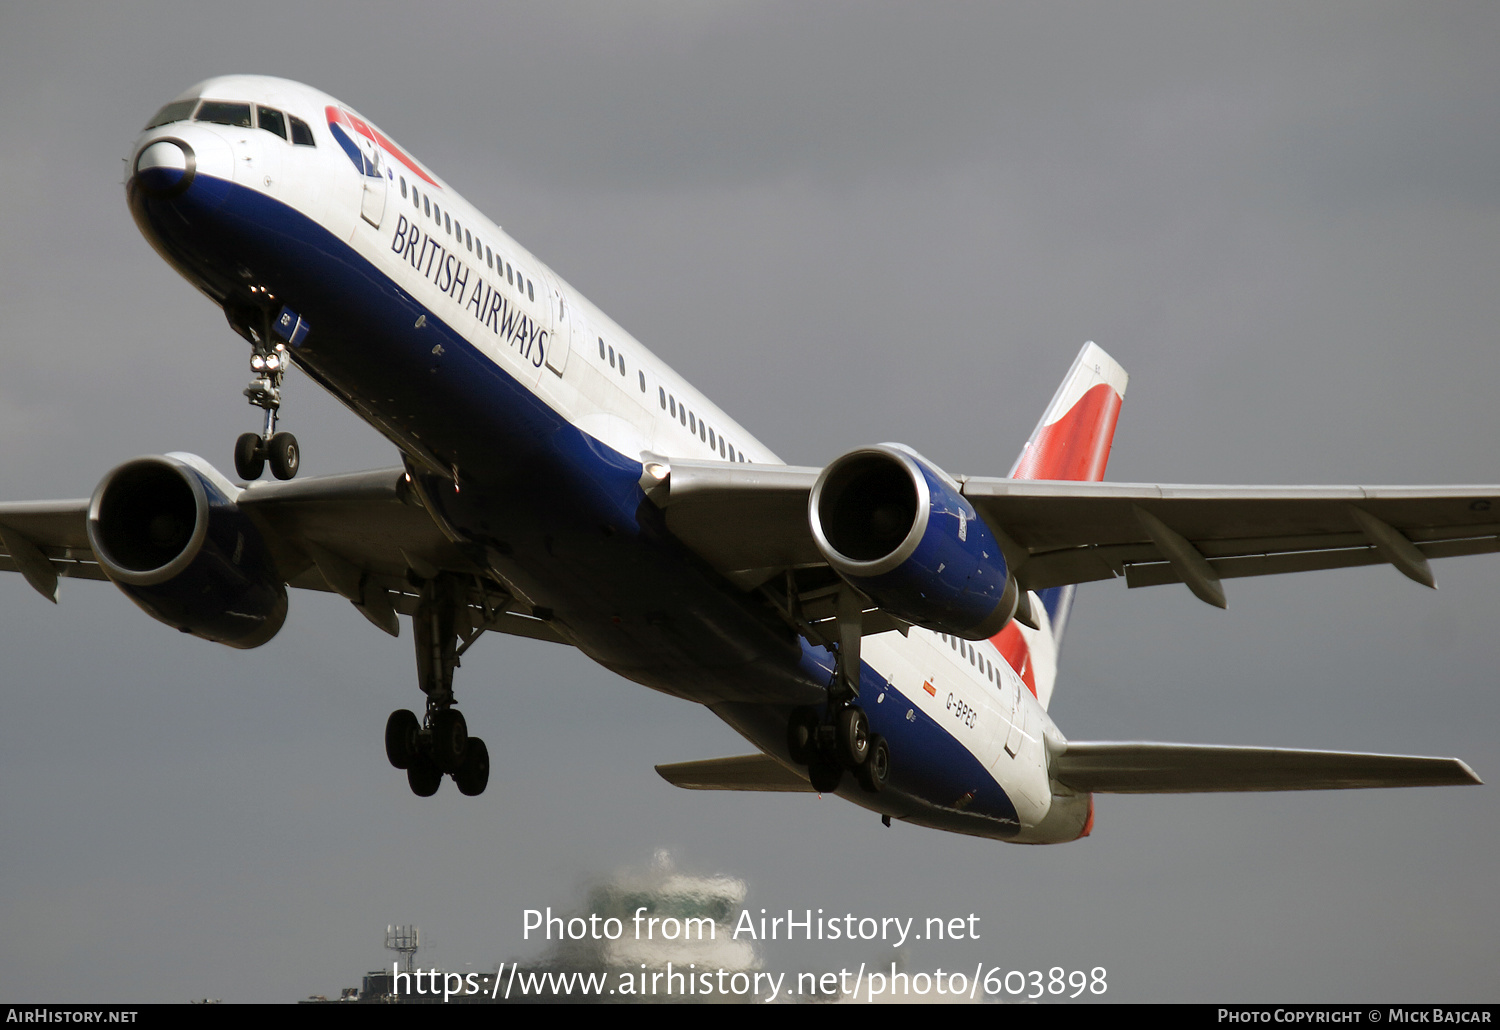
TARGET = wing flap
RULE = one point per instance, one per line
(742, 772)
(45, 540)
(1150, 768)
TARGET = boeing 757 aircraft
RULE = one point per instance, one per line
(879, 628)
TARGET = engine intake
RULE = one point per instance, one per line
(896, 528)
(167, 533)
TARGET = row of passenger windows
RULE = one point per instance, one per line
(697, 425)
(670, 405)
(427, 206)
(243, 116)
(976, 659)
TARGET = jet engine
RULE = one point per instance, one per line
(896, 528)
(166, 531)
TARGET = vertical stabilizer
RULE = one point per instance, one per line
(1072, 442)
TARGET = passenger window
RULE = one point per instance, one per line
(301, 135)
(611, 357)
(507, 273)
(711, 443)
(272, 120)
(529, 293)
(622, 364)
(468, 240)
(643, 380)
(448, 225)
(692, 423)
(489, 256)
(721, 447)
(427, 207)
(661, 392)
(223, 112)
(601, 350)
(403, 187)
(176, 111)
(674, 406)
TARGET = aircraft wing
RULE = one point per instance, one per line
(357, 535)
(751, 522)
(1141, 768)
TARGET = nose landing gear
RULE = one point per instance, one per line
(252, 451)
(268, 364)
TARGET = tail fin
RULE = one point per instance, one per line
(1071, 441)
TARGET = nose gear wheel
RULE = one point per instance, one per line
(268, 364)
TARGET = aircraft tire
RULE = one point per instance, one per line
(401, 738)
(424, 778)
(801, 733)
(876, 770)
(249, 457)
(474, 774)
(854, 736)
(284, 454)
(825, 777)
(449, 735)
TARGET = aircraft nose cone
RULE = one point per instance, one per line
(165, 167)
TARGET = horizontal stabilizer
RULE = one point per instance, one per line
(742, 772)
(1142, 768)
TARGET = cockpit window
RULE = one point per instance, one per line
(271, 120)
(224, 112)
(176, 111)
(301, 134)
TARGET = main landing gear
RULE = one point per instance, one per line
(838, 736)
(836, 739)
(440, 744)
(268, 363)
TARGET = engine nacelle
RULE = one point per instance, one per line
(897, 529)
(166, 531)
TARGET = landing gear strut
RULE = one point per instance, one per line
(839, 737)
(268, 364)
(440, 745)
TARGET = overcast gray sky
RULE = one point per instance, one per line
(847, 223)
